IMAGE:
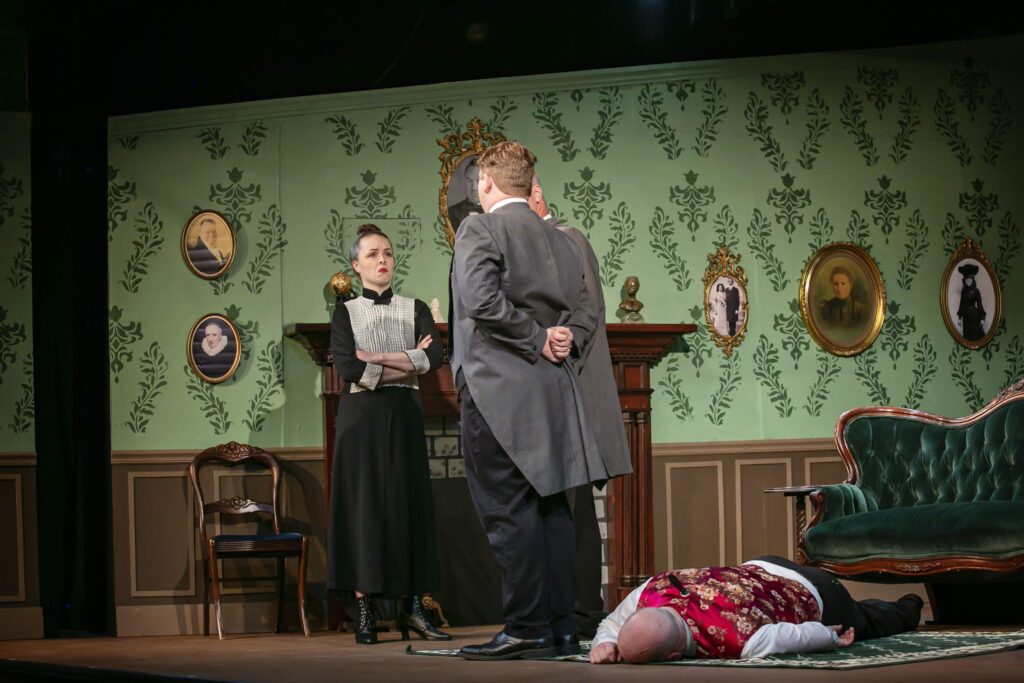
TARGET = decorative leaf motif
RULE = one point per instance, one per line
(122, 336)
(878, 81)
(442, 115)
(693, 200)
(999, 126)
(727, 230)
(501, 110)
(1009, 247)
(871, 378)
(147, 243)
(671, 385)
(551, 120)
(345, 131)
(334, 239)
(766, 360)
(828, 373)
(11, 334)
(235, 198)
(858, 231)
(991, 350)
(25, 406)
(656, 118)
(886, 203)
(682, 89)
(577, 97)
(945, 122)
(971, 84)
(389, 128)
(154, 378)
(925, 369)
(588, 196)
(370, 200)
(118, 196)
(21, 263)
(11, 189)
(728, 382)
(407, 243)
(713, 113)
(908, 123)
(269, 384)
(667, 249)
(789, 201)
(852, 118)
(953, 233)
(129, 142)
(817, 125)
(794, 337)
(963, 375)
(979, 208)
(896, 332)
(252, 138)
(821, 230)
(1014, 369)
(914, 250)
(213, 141)
(608, 115)
(441, 237)
(699, 341)
(762, 243)
(784, 88)
(248, 331)
(623, 237)
(271, 245)
(213, 407)
(757, 126)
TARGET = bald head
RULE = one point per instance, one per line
(653, 634)
(536, 198)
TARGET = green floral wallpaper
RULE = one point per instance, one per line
(903, 152)
(17, 392)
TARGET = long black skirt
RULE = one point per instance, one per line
(381, 539)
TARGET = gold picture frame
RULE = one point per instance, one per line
(208, 261)
(457, 197)
(726, 305)
(971, 312)
(214, 359)
(842, 298)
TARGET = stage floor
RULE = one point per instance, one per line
(335, 658)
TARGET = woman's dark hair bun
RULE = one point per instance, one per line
(368, 229)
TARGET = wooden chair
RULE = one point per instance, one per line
(227, 546)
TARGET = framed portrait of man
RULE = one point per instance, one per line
(214, 348)
(842, 298)
(726, 307)
(208, 244)
(458, 197)
(970, 296)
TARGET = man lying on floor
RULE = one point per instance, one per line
(766, 606)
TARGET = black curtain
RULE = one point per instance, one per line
(69, 302)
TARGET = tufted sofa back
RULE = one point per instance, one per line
(904, 461)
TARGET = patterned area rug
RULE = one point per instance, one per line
(906, 648)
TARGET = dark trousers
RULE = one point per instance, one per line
(869, 618)
(589, 607)
(531, 536)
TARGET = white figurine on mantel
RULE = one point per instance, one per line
(435, 310)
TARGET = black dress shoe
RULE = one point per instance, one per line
(504, 646)
(567, 645)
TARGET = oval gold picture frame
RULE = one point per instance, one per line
(208, 261)
(961, 311)
(214, 362)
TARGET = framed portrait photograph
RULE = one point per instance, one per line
(842, 298)
(214, 348)
(208, 244)
(458, 196)
(726, 307)
(970, 296)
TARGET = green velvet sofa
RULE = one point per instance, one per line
(926, 498)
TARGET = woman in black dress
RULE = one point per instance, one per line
(381, 540)
(971, 312)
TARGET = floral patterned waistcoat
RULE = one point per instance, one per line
(725, 606)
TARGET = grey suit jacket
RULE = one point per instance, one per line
(514, 277)
(596, 378)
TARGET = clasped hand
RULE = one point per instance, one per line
(558, 344)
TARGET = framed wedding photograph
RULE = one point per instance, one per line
(970, 296)
(842, 298)
(208, 244)
(726, 307)
(214, 348)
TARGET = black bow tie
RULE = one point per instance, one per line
(382, 299)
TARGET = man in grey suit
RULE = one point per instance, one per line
(604, 415)
(517, 325)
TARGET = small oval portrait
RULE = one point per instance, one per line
(970, 296)
(208, 245)
(842, 298)
(461, 197)
(214, 348)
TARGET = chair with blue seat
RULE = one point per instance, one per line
(273, 544)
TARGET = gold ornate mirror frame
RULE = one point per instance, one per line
(457, 148)
(725, 264)
(969, 249)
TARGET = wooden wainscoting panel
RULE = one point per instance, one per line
(161, 534)
(695, 514)
(763, 522)
(12, 539)
(824, 470)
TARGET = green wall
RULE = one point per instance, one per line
(903, 152)
(17, 393)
